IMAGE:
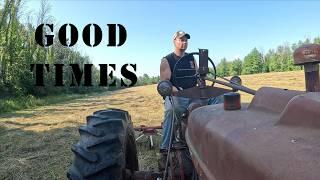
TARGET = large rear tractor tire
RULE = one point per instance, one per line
(106, 149)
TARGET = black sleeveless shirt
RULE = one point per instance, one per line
(184, 68)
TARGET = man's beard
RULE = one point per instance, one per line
(183, 47)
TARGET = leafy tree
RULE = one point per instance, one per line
(223, 68)
(236, 67)
(316, 40)
(252, 62)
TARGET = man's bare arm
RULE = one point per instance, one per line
(165, 73)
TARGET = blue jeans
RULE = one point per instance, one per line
(180, 106)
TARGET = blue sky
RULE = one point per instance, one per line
(228, 29)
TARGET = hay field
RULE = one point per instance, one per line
(35, 143)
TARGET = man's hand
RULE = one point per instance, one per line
(174, 90)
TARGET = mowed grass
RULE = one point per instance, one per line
(35, 143)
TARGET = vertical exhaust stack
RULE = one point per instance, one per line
(309, 56)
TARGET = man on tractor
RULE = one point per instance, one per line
(189, 68)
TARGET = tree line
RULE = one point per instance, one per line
(275, 60)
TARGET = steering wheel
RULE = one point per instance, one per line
(196, 75)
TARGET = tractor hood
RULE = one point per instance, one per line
(275, 137)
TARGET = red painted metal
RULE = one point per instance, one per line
(231, 101)
(148, 129)
(275, 137)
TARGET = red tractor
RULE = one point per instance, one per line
(275, 137)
